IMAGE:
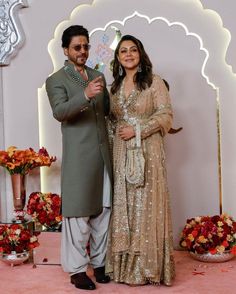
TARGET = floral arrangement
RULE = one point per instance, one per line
(45, 208)
(16, 238)
(22, 161)
(209, 234)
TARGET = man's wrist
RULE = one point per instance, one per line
(86, 97)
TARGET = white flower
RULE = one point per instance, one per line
(198, 219)
(33, 239)
(229, 222)
(18, 231)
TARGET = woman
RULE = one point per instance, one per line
(140, 247)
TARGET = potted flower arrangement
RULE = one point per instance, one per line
(210, 238)
(22, 161)
(18, 163)
(15, 243)
(45, 209)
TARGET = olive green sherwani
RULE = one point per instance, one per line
(85, 144)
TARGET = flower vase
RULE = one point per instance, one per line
(19, 196)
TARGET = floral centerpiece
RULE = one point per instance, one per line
(45, 208)
(22, 161)
(209, 234)
(16, 238)
(18, 163)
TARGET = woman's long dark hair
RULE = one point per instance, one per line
(142, 79)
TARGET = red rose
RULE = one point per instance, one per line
(233, 250)
(225, 244)
(194, 233)
(199, 250)
(213, 250)
(215, 219)
(25, 235)
(16, 227)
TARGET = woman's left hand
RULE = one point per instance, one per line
(126, 133)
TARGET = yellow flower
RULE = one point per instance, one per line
(202, 239)
(220, 249)
(190, 237)
(219, 223)
(11, 150)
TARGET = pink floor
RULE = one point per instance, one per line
(192, 277)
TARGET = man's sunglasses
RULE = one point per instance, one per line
(86, 47)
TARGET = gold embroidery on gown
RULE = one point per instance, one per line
(140, 246)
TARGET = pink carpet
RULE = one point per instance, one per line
(192, 277)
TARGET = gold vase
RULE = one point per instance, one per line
(19, 195)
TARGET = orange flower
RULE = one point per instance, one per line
(190, 237)
(22, 161)
(202, 239)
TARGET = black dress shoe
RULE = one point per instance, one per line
(100, 275)
(82, 281)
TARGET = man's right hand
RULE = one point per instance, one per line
(94, 87)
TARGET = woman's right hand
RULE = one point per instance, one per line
(126, 132)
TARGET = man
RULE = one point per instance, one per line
(80, 101)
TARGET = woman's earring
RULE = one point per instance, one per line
(139, 68)
(120, 70)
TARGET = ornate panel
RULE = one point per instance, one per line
(11, 35)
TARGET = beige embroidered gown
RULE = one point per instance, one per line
(140, 247)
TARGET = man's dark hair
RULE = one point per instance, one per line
(72, 31)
